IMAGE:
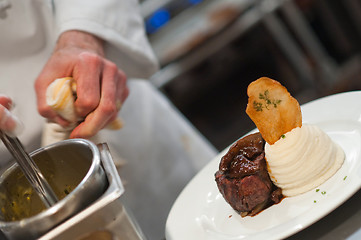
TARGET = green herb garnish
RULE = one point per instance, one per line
(323, 192)
(259, 106)
(317, 190)
(344, 178)
(283, 136)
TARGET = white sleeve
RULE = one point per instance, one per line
(119, 23)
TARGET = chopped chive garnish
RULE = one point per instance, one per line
(317, 190)
(323, 192)
(344, 178)
(283, 136)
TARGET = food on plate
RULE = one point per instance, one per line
(303, 159)
(243, 179)
(272, 108)
(285, 158)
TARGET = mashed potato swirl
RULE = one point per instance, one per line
(303, 159)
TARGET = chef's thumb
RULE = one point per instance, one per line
(9, 123)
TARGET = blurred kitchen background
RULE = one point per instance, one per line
(210, 50)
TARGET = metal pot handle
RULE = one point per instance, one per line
(112, 174)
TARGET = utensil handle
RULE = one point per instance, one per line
(30, 170)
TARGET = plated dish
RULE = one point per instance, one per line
(200, 212)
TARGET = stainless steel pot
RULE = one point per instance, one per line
(72, 168)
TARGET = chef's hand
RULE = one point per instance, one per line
(101, 86)
(8, 122)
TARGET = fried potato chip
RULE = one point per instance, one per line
(272, 108)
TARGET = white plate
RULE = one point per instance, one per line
(200, 212)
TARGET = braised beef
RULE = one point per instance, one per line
(243, 179)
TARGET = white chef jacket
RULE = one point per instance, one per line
(29, 31)
(161, 149)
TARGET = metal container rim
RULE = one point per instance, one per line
(54, 209)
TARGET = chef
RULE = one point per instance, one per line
(103, 46)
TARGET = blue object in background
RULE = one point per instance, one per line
(194, 2)
(163, 15)
(157, 20)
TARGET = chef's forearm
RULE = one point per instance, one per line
(80, 39)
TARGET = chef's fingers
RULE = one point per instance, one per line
(121, 93)
(122, 89)
(9, 123)
(87, 74)
(57, 66)
(113, 91)
(43, 108)
(6, 101)
(40, 85)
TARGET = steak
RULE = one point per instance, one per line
(243, 179)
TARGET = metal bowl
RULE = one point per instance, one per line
(72, 168)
